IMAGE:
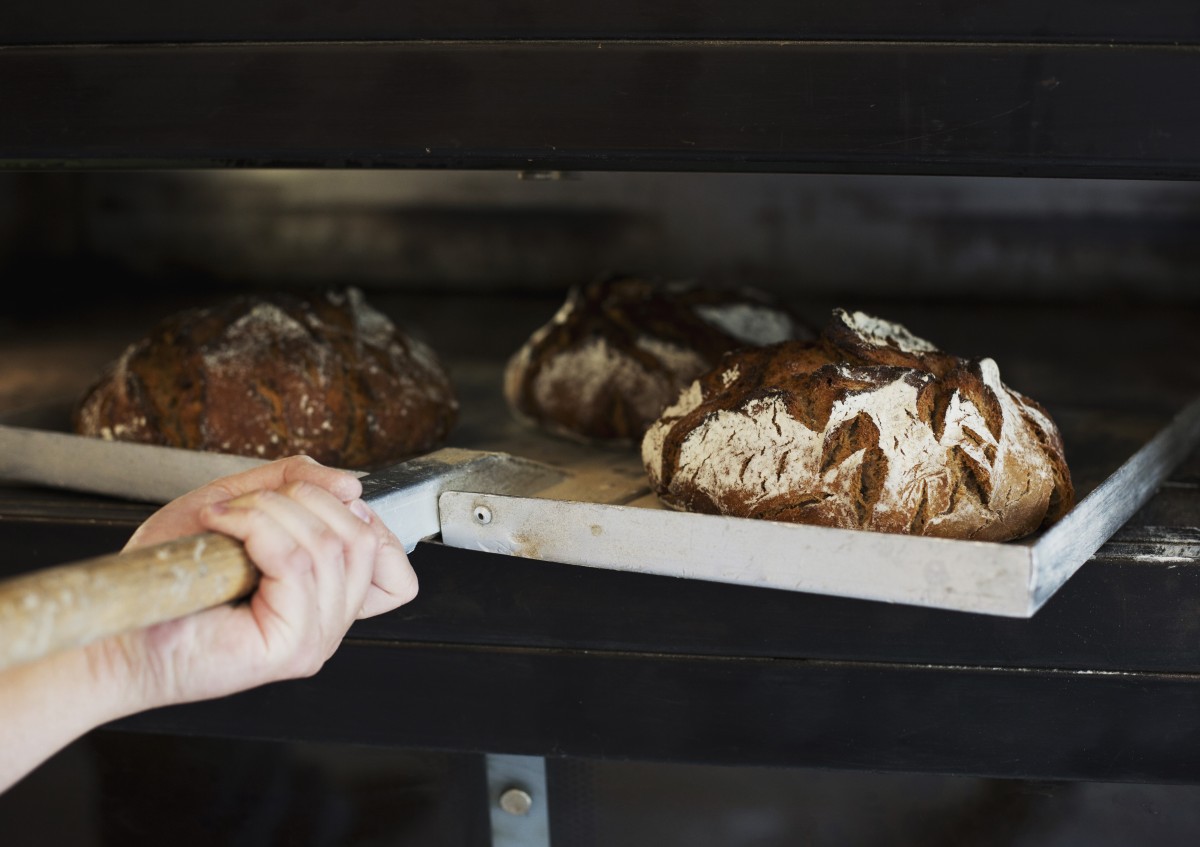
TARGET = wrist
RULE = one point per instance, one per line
(114, 686)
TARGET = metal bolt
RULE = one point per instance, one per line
(483, 514)
(516, 801)
(545, 175)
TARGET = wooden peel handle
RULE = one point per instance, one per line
(70, 605)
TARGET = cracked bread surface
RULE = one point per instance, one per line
(869, 427)
(621, 348)
(323, 374)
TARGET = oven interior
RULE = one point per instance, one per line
(1082, 289)
(1013, 181)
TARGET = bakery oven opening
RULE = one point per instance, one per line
(1082, 290)
(473, 262)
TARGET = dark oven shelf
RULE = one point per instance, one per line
(783, 104)
(140, 21)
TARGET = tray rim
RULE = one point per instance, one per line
(1020, 577)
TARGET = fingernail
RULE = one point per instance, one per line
(360, 509)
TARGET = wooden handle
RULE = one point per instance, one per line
(70, 605)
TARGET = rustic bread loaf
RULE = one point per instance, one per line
(868, 428)
(621, 348)
(323, 374)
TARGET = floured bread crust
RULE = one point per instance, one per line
(868, 428)
(620, 349)
(324, 375)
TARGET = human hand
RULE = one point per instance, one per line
(325, 560)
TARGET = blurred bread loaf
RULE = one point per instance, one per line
(621, 348)
(323, 374)
(869, 428)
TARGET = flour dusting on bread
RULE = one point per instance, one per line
(620, 349)
(324, 374)
(816, 433)
(881, 333)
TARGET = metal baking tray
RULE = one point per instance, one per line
(1012, 579)
(602, 515)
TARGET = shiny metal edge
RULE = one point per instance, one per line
(941, 573)
(1063, 548)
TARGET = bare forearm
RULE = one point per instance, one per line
(46, 705)
(325, 559)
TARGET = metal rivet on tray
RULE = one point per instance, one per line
(483, 514)
(516, 802)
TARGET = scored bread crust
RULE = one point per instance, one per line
(274, 375)
(621, 348)
(868, 428)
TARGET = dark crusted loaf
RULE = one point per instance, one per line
(269, 376)
(620, 349)
(868, 428)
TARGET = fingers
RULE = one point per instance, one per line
(393, 581)
(325, 559)
(378, 574)
(379, 577)
(303, 513)
(274, 475)
(348, 528)
(393, 584)
(285, 603)
(341, 484)
(308, 514)
(324, 562)
(182, 516)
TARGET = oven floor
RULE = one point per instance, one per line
(118, 789)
